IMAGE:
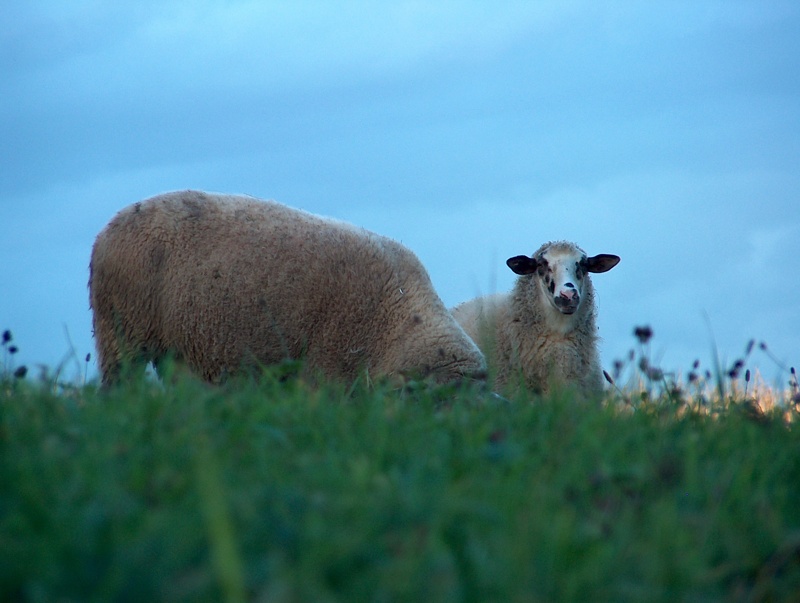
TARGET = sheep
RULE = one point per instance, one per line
(225, 284)
(543, 330)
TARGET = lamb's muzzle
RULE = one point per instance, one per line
(568, 299)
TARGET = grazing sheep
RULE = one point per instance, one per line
(228, 283)
(544, 329)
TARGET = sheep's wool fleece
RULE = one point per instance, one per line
(227, 282)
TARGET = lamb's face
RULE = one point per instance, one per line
(561, 274)
(560, 271)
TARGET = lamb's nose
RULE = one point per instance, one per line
(569, 294)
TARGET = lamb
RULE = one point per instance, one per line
(226, 284)
(544, 330)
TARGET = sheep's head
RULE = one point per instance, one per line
(560, 270)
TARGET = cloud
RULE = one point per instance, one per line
(137, 85)
(250, 45)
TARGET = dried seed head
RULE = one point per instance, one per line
(763, 345)
(692, 377)
(6, 336)
(608, 377)
(12, 349)
(655, 374)
(695, 364)
(736, 369)
(21, 372)
(749, 348)
(643, 334)
(747, 375)
(88, 357)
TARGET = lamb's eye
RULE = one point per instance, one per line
(543, 268)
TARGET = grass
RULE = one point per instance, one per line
(277, 491)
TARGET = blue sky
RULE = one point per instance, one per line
(667, 133)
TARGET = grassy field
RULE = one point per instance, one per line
(277, 491)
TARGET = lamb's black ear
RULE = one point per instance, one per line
(522, 264)
(601, 263)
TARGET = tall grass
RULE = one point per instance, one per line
(273, 490)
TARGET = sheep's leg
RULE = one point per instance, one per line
(118, 358)
(170, 367)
